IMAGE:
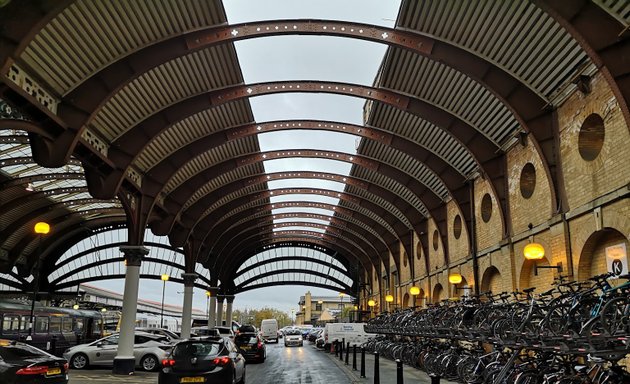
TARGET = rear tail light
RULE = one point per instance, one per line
(168, 363)
(66, 366)
(222, 360)
(259, 345)
(36, 370)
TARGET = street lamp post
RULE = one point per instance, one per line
(165, 278)
(40, 229)
(341, 295)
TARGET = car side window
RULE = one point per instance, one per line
(140, 339)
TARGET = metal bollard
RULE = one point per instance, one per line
(377, 373)
(435, 379)
(354, 357)
(341, 345)
(399, 372)
(362, 362)
(347, 352)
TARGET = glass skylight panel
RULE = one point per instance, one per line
(302, 219)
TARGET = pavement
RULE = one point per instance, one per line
(387, 371)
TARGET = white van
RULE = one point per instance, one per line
(353, 333)
(269, 330)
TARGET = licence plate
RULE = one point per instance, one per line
(246, 347)
(53, 371)
(192, 380)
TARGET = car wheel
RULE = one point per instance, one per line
(79, 361)
(149, 363)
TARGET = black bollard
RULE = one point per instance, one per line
(354, 357)
(347, 352)
(336, 348)
(362, 362)
(399, 372)
(435, 379)
(341, 345)
(377, 374)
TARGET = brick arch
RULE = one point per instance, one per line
(438, 293)
(529, 279)
(406, 300)
(457, 290)
(491, 280)
(593, 254)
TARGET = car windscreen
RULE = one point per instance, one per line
(294, 332)
(245, 339)
(197, 349)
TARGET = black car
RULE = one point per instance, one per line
(23, 364)
(251, 346)
(203, 361)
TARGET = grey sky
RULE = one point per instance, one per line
(298, 58)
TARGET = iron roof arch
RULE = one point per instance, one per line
(289, 258)
(239, 287)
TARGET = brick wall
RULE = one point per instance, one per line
(490, 233)
(458, 249)
(436, 256)
(521, 208)
(501, 259)
(587, 180)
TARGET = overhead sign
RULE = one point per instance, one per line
(617, 259)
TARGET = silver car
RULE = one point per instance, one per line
(149, 350)
(293, 337)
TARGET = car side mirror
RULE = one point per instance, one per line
(100, 344)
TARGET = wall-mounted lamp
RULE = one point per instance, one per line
(455, 278)
(534, 251)
(389, 298)
(371, 303)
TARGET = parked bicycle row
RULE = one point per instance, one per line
(476, 362)
(573, 317)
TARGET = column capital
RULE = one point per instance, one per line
(134, 254)
(213, 291)
(229, 298)
(189, 279)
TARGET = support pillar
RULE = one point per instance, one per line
(212, 307)
(189, 282)
(228, 312)
(220, 299)
(124, 362)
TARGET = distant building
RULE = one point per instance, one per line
(322, 309)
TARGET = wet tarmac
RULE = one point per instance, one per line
(284, 365)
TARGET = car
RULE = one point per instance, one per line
(293, 337)
(149, 350)
(21, 363)
(247, 329)
(251, 346)
(225, 331)
(170, 335)
(314, 334)
(204, 332)
(214, 361)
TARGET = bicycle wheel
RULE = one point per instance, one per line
(615, 317)
(528, 377)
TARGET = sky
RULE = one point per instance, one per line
(297, 58)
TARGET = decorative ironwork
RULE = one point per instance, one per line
(7, 112)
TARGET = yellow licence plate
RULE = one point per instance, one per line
(192, 380)
(246, 347)
(53, 371)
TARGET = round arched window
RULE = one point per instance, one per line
(436, 238)
(486, 208)
(457, 226)
(591, 137)
(528, 180)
